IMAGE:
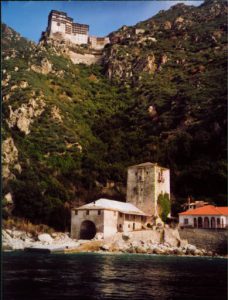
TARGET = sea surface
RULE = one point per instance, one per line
(112, 276)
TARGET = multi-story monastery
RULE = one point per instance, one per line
(62, 26)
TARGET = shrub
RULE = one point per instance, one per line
(164, 206)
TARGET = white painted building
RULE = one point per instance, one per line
(208, 216)
(60, 26)
(106, 217)
(60, 23)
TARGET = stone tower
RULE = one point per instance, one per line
(145, 182)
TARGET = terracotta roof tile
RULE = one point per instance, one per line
(207, 210)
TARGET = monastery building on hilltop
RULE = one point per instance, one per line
(62, 26)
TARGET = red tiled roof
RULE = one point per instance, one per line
(207, 210)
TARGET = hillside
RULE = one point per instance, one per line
(70, 131)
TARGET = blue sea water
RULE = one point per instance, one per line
(93, 276)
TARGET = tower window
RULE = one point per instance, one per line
(161, 177)
(99, 212)
(87, 212)
(58, 24)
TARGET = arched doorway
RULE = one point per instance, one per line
(87, 230)
(195, 222)
(218, 223)
(200, 222)
(206, 222)
(212, 222)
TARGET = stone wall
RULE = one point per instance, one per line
(87, 59)
(209, 239)
(141, 235)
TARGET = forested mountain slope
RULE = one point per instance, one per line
(70, 131)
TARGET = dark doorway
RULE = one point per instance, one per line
(87, 230)
(200, 222)
(218, 223)
(206, 222)
(195, 222)
(212, 222)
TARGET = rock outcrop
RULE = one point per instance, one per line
(76, 53)
(13, 239)
(44, 68)
(56, 115)
(9, 159)
(25, 115)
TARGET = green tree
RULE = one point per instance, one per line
(164, 206)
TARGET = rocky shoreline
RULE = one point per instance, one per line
(13, 240)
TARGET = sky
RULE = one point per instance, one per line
(29, 18)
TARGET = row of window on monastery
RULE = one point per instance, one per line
(128, 217)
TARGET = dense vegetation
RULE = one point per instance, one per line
(106, 125)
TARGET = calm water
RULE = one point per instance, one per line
(96, 276)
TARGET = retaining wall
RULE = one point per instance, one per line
(209, 239)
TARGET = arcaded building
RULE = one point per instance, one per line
(106, 217)
(145, 182)
(208, 216)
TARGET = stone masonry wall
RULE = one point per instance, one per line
(209, 239)
(144, 184)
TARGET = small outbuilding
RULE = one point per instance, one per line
(106, 217)
(208, 216)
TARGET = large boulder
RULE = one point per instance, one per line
(45, 238)
(119, 245)
(171, 237)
